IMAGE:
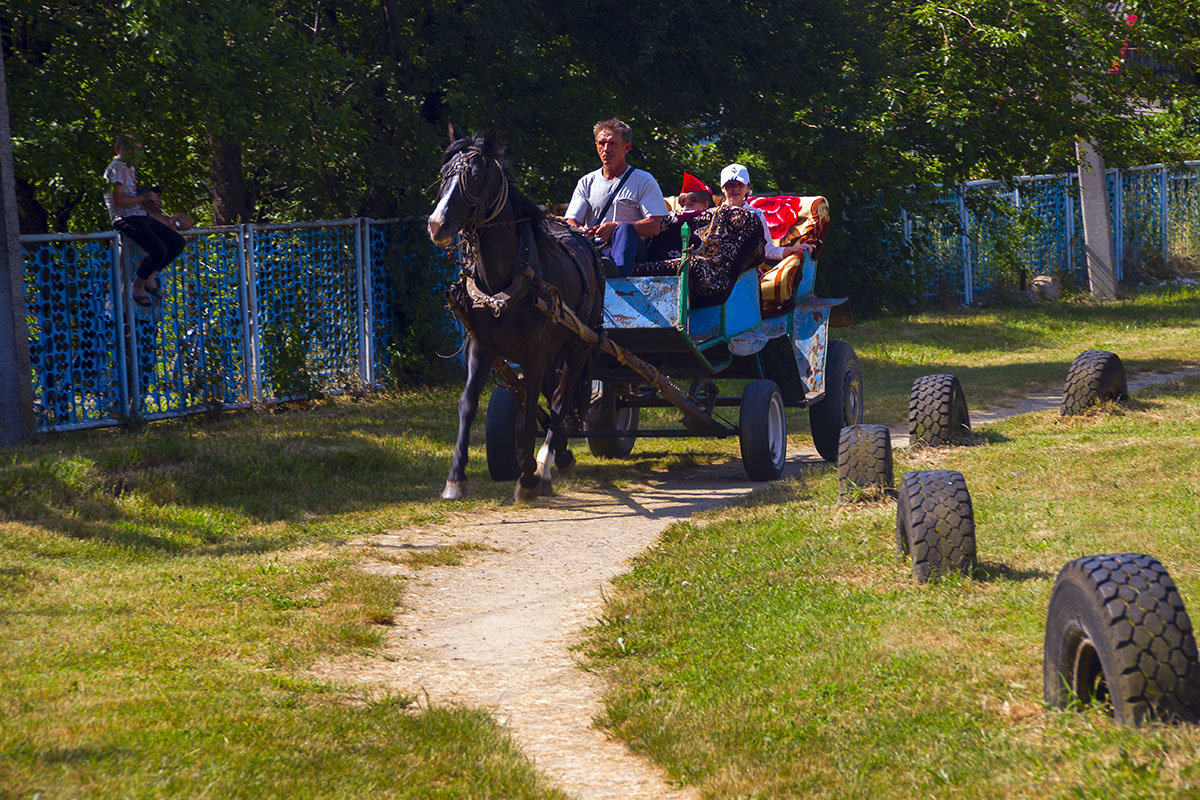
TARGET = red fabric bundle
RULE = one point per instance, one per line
(795, 219)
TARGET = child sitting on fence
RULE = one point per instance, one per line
(137, 214)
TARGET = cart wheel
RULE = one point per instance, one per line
(936, 523)
(864, 458)
(762, 431)
(1095, 376)
(937, 411)
(1117, 634)
(843, 401)
(603, 414)
(500, 435)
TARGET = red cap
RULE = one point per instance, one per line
(693, 184)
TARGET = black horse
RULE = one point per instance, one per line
(514, 254)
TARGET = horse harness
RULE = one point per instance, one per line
(466, 294)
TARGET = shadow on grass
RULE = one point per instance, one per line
(997, 571)
(74, 756)
(888, 384)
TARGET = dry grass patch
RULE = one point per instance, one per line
(445, 555)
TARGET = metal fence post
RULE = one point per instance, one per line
(1163, 210)
(968, 277)
(1118, 212)
(243, 289)
(124, 377)
(368, 261)
(124, 295)
(360, 287)
(255, 326)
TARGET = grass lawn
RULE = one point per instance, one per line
(163, 591)
(1001, 354)
(782, 650)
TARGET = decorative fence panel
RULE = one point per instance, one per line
(250, 314)
(988, 234)
(264, 313)
(74, 312)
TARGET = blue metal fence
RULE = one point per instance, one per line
(964, 239)
(264, 313)
(250, 314)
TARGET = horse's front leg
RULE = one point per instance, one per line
(528, 485)
(479, 362)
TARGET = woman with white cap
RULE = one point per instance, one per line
(735, 185)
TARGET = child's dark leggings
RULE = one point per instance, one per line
(161, 243)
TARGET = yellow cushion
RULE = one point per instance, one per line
(779, 284)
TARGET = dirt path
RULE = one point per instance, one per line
(496, 631)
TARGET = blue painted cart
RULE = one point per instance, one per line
(787, 360)
(653, 343)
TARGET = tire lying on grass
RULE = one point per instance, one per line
(1094, 376)
(1117, 634)
(935, 523)
(864, 458)
(937, 411)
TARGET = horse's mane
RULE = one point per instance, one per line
(522, 205)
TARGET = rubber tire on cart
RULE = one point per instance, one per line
(762, 430)
(937, 411)
(603, 415)
(1117, 633)
(500, 435)
(843, 401)
(864, 458)
(935, 522)
(1094, 376)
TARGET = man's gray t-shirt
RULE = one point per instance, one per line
(640, 197)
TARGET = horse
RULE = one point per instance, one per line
(514, 254)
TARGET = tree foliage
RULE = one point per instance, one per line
(284, 109)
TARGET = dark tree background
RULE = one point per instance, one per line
(284, 109)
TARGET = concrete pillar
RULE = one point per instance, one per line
(16, 387)
(1097, 224)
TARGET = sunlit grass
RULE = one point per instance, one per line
(782, 649)
(164, 591)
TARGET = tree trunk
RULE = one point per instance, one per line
(63, 211)
(16, 388)
(230, 204)
(32, 215)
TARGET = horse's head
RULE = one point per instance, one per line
(474, 187)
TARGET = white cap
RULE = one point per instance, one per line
(735, 172)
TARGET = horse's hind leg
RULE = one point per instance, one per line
(529, 483)
(479, 362)
(560, 400)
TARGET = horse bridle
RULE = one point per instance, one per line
(480, 218)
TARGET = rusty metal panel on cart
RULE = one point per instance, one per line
(810, 339)
(641, 302)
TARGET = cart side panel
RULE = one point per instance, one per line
(740, 313)
(810, 339)
(641, 303)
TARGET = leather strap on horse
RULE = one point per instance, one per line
(500, 302)
(550, 304)
(529, 266)
(547, 300)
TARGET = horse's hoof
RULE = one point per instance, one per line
(566, 464)
(545, 488)
(523, 495)
(455, 490)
